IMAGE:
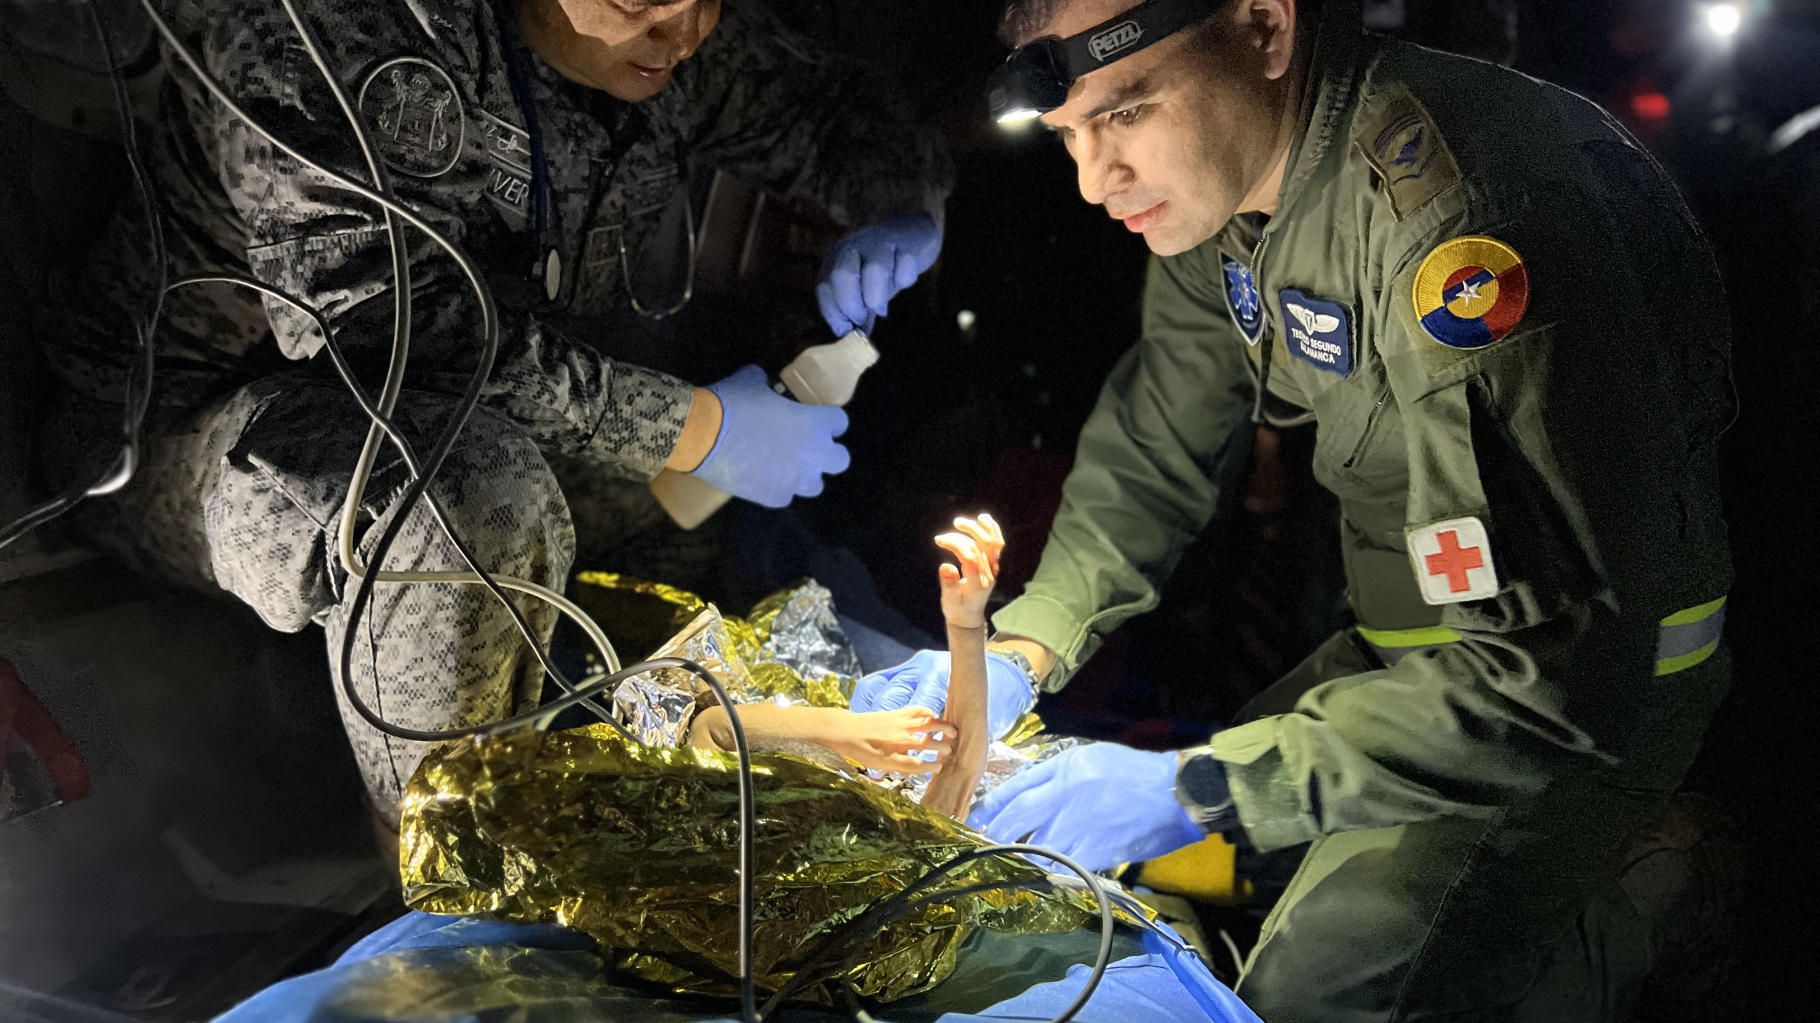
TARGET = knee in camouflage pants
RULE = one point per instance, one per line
(246, 495)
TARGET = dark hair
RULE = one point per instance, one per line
(1023, 19)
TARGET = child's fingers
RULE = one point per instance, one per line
(951, 575)
(919, 719)
(974, 567)
(910, 765)
(998, 539)
(988, 539)
(960, 545)
(975, 558)
(976, 531)
(936, 742)
(993, 529)
(950, 542)
(987, 534)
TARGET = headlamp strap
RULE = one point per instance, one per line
(1123, 35)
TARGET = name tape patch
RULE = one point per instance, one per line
(1319, 332)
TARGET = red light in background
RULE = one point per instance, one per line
(1650, 106)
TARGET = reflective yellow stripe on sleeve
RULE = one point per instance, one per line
(1689, 637)
(1392, 645)
(1685, 639)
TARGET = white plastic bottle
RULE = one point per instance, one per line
(822, 375)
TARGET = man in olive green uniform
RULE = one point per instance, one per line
(1512, 337)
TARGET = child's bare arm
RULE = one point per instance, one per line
(883, 741)
(977, 544)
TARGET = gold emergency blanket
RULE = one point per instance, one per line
(788, 649)
(636, 845)
(790, 643)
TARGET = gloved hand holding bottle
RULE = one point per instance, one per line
(771, 450)
(866, 269)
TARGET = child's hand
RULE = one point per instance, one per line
(890, 740)
(977, 544)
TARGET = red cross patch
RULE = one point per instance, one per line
(1453, 561)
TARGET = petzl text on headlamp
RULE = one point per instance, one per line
(1036, 78)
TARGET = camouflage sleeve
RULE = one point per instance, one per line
(328, 247)
(1142, 485)
(1559, 367)
(766, 106)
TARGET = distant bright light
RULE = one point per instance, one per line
(1723, 20)
(965, 320)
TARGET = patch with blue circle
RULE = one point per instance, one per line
(1318, 332)
(1243, 302)
(1471, 292)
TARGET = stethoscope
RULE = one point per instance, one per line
(546, 269)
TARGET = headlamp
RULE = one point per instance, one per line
(1036, 78)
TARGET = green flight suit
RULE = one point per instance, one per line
(1470, 772)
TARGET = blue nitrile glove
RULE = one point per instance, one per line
(865, 269)
(771, 449)
(1102, 805)
(922, 681)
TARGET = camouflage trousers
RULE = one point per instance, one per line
(246, 496)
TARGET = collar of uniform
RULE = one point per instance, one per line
(1333, 78)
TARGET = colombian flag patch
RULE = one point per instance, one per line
(1470, 292)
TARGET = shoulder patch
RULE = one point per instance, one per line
(1401, 143)
(1453, 561)
(1243, 302)
(418, 113)
(1471, 292)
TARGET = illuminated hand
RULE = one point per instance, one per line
(977, 544)
(890, 740)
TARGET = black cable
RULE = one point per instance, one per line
(139, 390)
(401, 281)
(38, 516)
(409, 456)
(401, 335)
(468, 401)
(880, 914)
(748, 995)
(465, 404)
(138, 387)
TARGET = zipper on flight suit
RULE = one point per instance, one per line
(1372, 420)
(1258, 417)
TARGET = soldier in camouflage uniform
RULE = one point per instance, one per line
(1512, 337)
(547, 137)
